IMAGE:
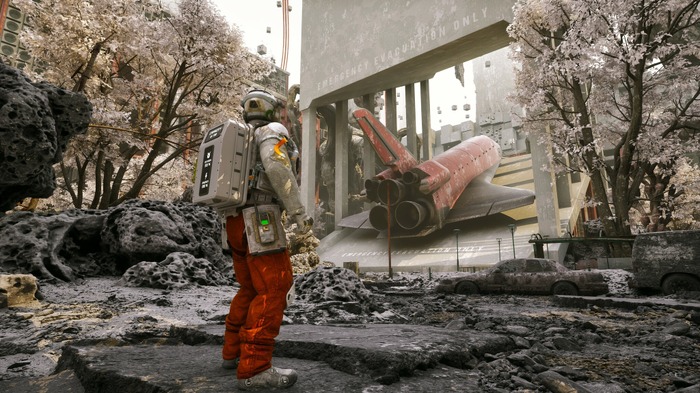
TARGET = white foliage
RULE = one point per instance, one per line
(621, 75)
(154, 74)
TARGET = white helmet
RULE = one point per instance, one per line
(261, 105)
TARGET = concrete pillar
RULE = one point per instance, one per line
(563, 190)
(427, 150)
(308, 160)
(342, 149)
(545, 189)
(411, 119)
(390, 110)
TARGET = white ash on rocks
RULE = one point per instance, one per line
(178, 270)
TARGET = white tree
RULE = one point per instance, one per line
(154, 79)
(613, 86)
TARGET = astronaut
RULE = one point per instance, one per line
(265, 278)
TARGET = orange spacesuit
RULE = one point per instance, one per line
(256, 312)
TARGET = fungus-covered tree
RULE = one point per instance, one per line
(154, 76)
(613, 87)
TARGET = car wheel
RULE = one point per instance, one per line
(564, 288)
(466, 288)
(678, 282)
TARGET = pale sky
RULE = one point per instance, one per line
(253, 19)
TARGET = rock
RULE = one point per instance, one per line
(456, 324)
(521, 342)
(51, 246)
(143, 230)
(484, 325)
(517, 330)
(36, 122)
(523, 383)
(677, 328)
(570, 372)
(564, 344)
(3, 298)
(690, 389)
(19, 289)
(331, 283)
(591, 337)
(694, 317)
(604, 388)
(521, 359)
(588, 325)
(178, 270)
(557, 383)
(554, 330)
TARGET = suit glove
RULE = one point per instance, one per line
(304, 223)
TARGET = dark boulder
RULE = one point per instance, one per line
(36, 122)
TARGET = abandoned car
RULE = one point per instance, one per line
(527, 276)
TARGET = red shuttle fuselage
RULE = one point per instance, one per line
(416, 198)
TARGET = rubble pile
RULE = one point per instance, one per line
(331, 284)
(330, 294)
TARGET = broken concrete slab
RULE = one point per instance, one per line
(187, 368)
(382, 353)
(19, 289)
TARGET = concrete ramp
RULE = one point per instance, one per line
(478, 246)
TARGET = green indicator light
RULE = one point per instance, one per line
(264, 222)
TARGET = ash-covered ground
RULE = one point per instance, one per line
(602, 349)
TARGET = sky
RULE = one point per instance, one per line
(254, 17)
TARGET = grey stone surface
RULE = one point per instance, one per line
(382, 353)
(36, 122)
(622, 302)
(328, 358)
(62, 382)
(61, 246)
(185, 368)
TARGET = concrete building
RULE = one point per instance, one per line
(360, 48)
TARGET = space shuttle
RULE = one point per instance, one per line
(414, 199)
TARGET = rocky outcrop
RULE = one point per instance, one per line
(142, 230)
(88, 243)
(36, 122)
(178, 270)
